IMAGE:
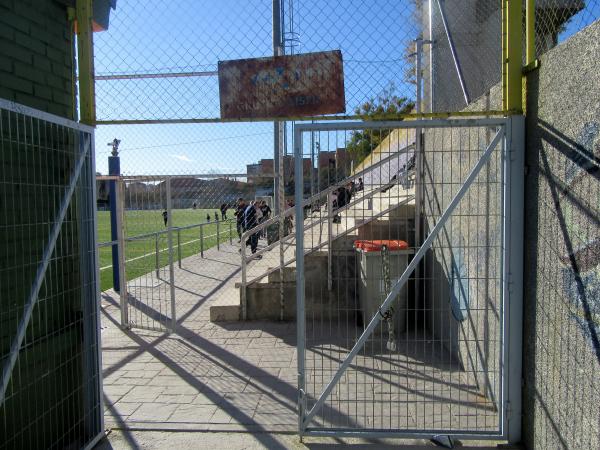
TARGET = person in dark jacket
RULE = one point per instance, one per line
(224, 211)
(251, 221)
(239, 216)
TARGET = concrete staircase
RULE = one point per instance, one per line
(383, 215)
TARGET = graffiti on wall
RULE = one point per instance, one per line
(580, 255)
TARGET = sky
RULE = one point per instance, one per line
(155, 36)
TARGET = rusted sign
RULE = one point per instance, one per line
(282, 86)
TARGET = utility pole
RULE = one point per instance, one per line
(277, 147)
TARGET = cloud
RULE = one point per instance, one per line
(182, 158)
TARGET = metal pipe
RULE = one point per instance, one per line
(157, 255)
(431, 83)
(218, 237)
(329, 241)
(530, 32)
(123, 296)
(418, 163)
(179, 248)
(243, 284)
(512, 284)
(328, 118)
(170, 246)
(230, 234)
(276, 37)
(453, 51)
(15, 347)
(403, 124)
(201, 241)
(138, 76)
(300, 312)
(323, 244)
(512, 46)
(404, 277)
(278, 144)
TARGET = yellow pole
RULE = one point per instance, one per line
(530, 36)
(85, 62)
(512, 53)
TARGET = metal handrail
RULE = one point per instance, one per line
(343, 233)
(307, 202)
(156, 234)
(310, 200)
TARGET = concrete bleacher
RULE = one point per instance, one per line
(369, 218)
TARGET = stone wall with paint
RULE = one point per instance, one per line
(561, 350)
(562, 254)
(462, 271)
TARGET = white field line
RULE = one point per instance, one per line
(159, 251)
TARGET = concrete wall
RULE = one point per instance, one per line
(461, 288)
(562, 264)
(36, 55)
(561, 353)
(47, 398)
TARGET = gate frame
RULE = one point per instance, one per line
(91, 328)
(511, 137)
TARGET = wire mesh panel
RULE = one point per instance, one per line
(557, 20)
(49, 345)
(429, 360)
(168, 224)
(144, 71)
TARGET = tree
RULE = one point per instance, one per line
(386, 105)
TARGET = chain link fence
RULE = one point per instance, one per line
(557, 20)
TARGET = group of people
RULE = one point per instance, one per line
(223, 209)
(249, 215)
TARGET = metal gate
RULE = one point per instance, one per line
(146, 270)
(49, 309)
(162, 234)
(425, 339)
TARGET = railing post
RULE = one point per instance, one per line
(157, 255)
(119, 200)
(418, 163)
(170, 246)
(179, 247)
(329, 241)
(218, 237)
(201, 240)
(243, 285)
(230, 235)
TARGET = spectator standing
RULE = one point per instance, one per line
(239, 215)
(224, 211)
(251, 221)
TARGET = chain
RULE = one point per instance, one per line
(388, 315)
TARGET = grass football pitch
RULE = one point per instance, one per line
(141, 253)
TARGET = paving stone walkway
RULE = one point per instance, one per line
(241, 376)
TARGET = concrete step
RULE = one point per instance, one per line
(289, 275)
(227, 307)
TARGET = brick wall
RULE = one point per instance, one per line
(51, 401)
(36, 58)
